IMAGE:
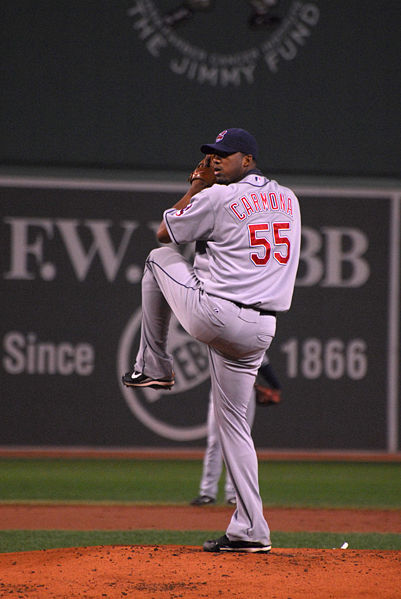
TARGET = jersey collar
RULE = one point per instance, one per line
(255, 177)
(255, 171)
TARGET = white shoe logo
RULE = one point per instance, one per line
(135, 375)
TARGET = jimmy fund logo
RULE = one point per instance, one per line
(175, 414)
(211, 42)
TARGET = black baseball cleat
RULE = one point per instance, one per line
(138, 379)
(224, 544)
(203, 500)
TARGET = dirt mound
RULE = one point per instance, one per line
(168, 572)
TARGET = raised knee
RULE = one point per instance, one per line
(154, 253)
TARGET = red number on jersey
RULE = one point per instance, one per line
(259, 242)
(258, 238)
(279, 240)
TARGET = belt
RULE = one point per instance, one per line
(261, 312)
(267, 312)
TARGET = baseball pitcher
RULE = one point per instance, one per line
(248, 227)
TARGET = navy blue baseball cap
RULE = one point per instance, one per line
(233, 140)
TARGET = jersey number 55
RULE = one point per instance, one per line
(258, 238)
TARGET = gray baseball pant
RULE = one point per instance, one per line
(237, 339)
(213, 458)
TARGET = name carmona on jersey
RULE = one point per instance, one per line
(260, 202)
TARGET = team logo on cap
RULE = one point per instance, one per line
(181, 39)
(221, 135)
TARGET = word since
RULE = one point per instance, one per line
(23, 353)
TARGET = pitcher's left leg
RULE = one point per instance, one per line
(168, 284)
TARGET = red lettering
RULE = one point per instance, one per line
(263, 197)
(183, 210)
(273, 201)
(247, 206)
(233, 208)
(255, 202)
(282, 203)
(279, 239)
(259, 242)
(289, 206)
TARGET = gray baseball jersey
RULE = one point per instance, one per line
(252, 232)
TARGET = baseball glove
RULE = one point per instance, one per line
(204, 171)
(266, 396)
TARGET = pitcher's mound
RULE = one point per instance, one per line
(170, 572)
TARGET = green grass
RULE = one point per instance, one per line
(285, 484)
(34, 540)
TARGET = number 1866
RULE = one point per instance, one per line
(333, 358)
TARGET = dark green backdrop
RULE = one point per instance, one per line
(72, 258)
(104, 83)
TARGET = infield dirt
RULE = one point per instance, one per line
(170, 572)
